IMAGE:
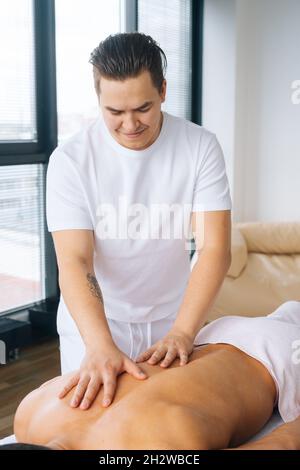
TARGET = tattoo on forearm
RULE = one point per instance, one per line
(94, 287)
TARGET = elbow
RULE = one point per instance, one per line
(221, 254)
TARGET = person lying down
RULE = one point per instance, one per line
(239, 371)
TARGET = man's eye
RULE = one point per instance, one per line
(116, 113)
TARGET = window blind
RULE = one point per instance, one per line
(169, 23)
(17, 77)
(21, 186)
(21, 242)
(77, 34)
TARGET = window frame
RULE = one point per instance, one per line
(20, 153)
(129, 16)
(197, 60)
(15, 153)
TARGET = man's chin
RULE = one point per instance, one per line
(136, 144)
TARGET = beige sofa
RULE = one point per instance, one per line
(264, 272)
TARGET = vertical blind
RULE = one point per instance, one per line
(169, 23)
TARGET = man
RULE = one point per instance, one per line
(114, 191)
(222, 397)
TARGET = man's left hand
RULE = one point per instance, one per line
(174, 344)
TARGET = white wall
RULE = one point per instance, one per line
(251, 58)
(219, 74)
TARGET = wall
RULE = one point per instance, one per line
(251, 58)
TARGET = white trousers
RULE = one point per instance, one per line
(131, 338)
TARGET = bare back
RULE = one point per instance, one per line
(174, 408)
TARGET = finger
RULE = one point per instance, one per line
(134, 370)
(184, 357)
(80, 391)
(91, 393)
(145, 355)
(157, 355)
(170, 356)
(69, 385)
(109, 384)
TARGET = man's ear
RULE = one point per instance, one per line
(163, 90)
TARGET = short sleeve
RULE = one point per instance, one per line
(66, 206)
(211, 189)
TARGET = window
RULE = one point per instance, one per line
(77, 34)
(21, 228)
(17, 85)
(27, 123)
(21, 186)
(28, 113)
(169, 23)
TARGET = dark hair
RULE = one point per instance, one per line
(125, 55)
(22, 446)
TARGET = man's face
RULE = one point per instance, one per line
(132, 110)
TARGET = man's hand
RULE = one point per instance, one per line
(174, 344)
(100, 366)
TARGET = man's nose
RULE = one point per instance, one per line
(130, 124)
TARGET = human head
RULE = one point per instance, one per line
(124, 55)
(128, 71)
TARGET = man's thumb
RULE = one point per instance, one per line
(136, 371)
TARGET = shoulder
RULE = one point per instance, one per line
(189, 128)
(26, 409)
(31, 405)
(197, 139)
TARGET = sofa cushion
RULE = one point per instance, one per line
(271, 237)
(239, 253)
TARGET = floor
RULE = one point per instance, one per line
(36, 365)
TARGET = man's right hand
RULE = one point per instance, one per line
(100, 366)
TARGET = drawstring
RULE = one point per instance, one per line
(148, 335)
(131, 340)
(141, 338)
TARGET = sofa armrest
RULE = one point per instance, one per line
(282, 238)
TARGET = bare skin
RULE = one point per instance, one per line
(218, 400)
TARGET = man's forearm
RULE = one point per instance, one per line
(204, 283)
(83, 297)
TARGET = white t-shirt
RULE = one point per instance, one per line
(92, 181)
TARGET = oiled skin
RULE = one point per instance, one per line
(219, 399)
